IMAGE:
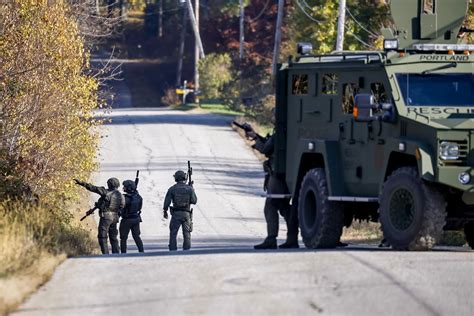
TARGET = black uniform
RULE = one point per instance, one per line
(182, 196)
(274, 184)
(131, 221)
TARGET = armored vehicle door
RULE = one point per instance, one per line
(361, 143)
(308, 115)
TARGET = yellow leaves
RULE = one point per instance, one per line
(47, 99)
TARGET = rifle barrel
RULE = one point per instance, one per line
(137, 179)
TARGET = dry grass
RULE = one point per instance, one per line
(27, 230)
(33, 241)
(362, 233)
(15, 288)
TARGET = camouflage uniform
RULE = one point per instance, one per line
(131, 217)
(182, 196)
(274, 184)
(112, 202)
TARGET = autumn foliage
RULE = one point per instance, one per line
(46, 102)
(47, 134)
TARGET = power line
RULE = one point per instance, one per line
(360, 40)
(261, 12)
(307, 14)
(358, 23)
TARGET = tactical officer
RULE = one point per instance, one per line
(274, 184)
(182, 195)
(131, 216)
(110, 204)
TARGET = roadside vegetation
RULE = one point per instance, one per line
(47, 137)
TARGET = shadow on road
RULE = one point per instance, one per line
(158, 117)
(239, 245)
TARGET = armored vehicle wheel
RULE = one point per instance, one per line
(412, 213)
(321, 221)
(469, 233)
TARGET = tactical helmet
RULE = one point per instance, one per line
(129, 186)
(113, 183)
(179, 176)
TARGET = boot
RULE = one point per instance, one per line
(266, 245)
(123, 245)
(289, 244)
(384, 243)
(104, 248)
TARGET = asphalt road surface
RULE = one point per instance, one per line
(222, 274)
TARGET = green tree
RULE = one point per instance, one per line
(215, 71)
(315, 21)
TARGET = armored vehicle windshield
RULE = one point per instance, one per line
(448, 89)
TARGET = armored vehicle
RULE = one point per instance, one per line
(383, 135)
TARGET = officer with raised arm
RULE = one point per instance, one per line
(110, 203)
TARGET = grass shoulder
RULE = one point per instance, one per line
(34, 240)
(213, 108)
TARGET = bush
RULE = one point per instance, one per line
(46, 131)
(170, 98)
(262, 111)
(46, 103)
(231, 95)
(215, 73)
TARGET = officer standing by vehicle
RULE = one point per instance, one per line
(274, 185)
(182, 196)
(131, 216)
(110, 203)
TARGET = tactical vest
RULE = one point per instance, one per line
(113, 201)
(133, 203)
(182, 198)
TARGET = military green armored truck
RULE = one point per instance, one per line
(383, 135)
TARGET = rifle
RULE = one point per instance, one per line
(246, 127)
(90, 212)
(190, 173)
(137, 179)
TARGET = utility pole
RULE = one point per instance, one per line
(195, 27)
(340, 25)
(241, 31)
(181, 47)
(196, 53)
(276, 48)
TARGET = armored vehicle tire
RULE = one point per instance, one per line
(469, 234)
(412, 213)
(321, 221)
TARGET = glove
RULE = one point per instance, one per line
(165, 214)
(250, 134)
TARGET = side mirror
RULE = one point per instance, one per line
(363, 108)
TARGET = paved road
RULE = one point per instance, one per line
(222, 274)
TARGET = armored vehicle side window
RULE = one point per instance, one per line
(300, 84)
(428, 7)
(378, 91)
(348, 98)
(329, 85)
